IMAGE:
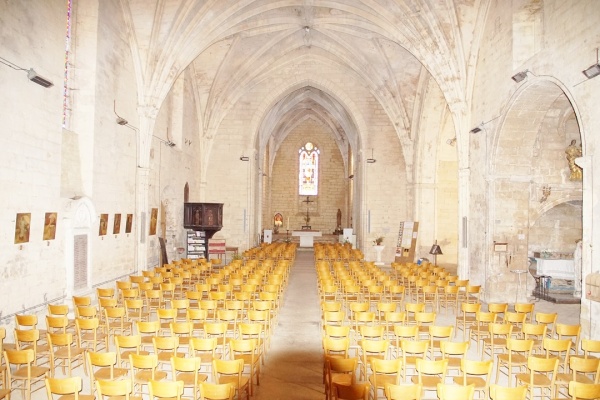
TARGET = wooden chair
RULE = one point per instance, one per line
(339, 370)
(584, 391)
(186, 370)
(230, 371)
(466, 317)
(572, 332)
(412, 350)
(147, 330)
(476, 373)
(508, 393)
(370, 350)
(499, 309)
(102, 366)
(525, 308)
(384, 372)
(438, 335)
(63, 352)
(143, 369)
(455, 392)
(480, 330)
(542, 373)
(166, 347)
(126, 345)
(356, 391)
(583, 370)
(537, 333)
(548, 319)
(454, 352)
(517, 353)
(25, 322)
(22, 374)
(248, 351)
(403, 392)
(90, 335)
(168, 390)
(66, 388)
(498, 334)
(213, 391)
(30, 339)
(430, 373)
(590, 347)
(115, 390)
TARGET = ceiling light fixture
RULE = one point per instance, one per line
(477, 129)
(244, 158)
(518, 77)
(371, 160)
(31, 74)
(594, 70)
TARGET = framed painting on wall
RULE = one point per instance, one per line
(103, 224)
(153, 220)
(128, 223)
(22, 226)
(117, 224)
(50, 226)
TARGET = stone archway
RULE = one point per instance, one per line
(529, 168)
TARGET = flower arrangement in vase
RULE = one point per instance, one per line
(378, 240)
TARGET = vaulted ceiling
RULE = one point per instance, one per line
(390, 46)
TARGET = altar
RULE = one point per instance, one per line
(556, 268)
(306, 237)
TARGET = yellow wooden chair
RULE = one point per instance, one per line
(214, 391)
(339, 370)
(115, 390)
(403, 392)
(455, 392)
(231, 371)
(542, 373)
(498, 392)
(65, 353)
(584, 391)
(22, 374)
(67, 388)
(476, 373)
(167, 390)
(186, 370)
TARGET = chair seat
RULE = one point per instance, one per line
(36, 371)
(517, 359)
(342, 379)
(81, 397)
(383, 380)
(104, 373)
(145, 376)
(427, 381)
(233, 380)
(471, 380)
(165, 357)
(566, 378)
(538, 379)
(188, 378)
(63, 352)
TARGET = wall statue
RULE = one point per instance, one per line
(572, 152)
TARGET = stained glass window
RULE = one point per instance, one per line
(308, 178)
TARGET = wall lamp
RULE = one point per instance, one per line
(594, 70)
(244, 158)
(477, 129)
(371, 160)
(518, 77)
(31, 74)
(451, 142)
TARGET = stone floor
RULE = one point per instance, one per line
(293, 368)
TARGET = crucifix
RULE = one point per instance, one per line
(307, 218)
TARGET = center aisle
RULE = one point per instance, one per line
(294, 365)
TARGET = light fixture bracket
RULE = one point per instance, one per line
(520, 76)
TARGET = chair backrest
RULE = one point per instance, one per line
(455, 392)
(498, 392)
(356, 391)
(584, 391)
(431, 367)
(403, 392)
(590, 346)
(63, 386)
(476, 367)
(215, 391)
(227, 368)
(114, 388)
(165, 389)
(449, 348)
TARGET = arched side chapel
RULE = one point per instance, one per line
(401, 85)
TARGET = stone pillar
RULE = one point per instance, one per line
(147, 120)
(588, 308)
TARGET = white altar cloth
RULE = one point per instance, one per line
(558, 269)
(306, 237)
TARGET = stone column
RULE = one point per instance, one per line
(147, 120)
